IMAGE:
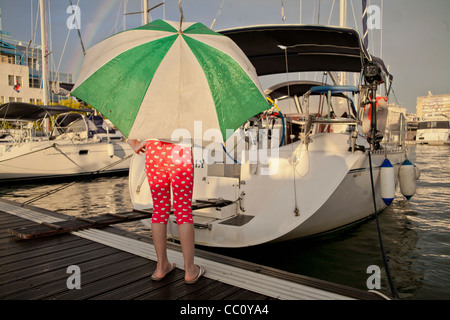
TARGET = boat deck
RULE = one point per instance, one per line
(117, 264)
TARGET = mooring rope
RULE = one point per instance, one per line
(26, 154)
(83, 178)
(386, 265)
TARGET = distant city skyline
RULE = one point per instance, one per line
(413, 39)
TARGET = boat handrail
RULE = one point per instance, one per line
(336, 120)
(296, 116)
(335, 89)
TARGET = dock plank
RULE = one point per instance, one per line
(45, 229)
(37, 269)
(116, 264)
(106, 279)
(13, 289)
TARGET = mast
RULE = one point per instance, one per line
(145, 11)
(343, 13)
(44, 52)
(342, 23)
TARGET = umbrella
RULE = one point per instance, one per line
(152, 80)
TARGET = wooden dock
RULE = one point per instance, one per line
(116, 265)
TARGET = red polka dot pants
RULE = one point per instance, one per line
(170, 166)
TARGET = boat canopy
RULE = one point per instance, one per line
(305, 47)
(21, 111)
(299, 88)
(291, 88)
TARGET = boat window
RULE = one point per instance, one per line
(77, 126)
(91, 125)
(287, 105)
(434, 125)
(341, 107)
(100, 125)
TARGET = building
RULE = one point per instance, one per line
(21, 72)
(433, 105)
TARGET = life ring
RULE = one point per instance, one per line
(369, 105)
(367, 115)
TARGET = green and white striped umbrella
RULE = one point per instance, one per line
(154, 79)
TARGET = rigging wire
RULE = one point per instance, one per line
(114, 28)
(78, 28)
(331, 12)
(354, 15)
(217, 15)
(381, 31)
(314, 12)
(393, 92)
(318, 14)
(296, 210)
(64, 48)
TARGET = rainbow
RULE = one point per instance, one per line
(90, 30)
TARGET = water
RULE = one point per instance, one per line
(415, 233)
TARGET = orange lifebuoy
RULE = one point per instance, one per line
(369, 105)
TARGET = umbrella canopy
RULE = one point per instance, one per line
(154, 79)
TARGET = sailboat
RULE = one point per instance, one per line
(78, 143)
(324, 156)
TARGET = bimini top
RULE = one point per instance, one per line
(334, 89)
(21, 111)
(299, 88)
(307, 47)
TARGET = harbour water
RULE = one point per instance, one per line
(415, 233)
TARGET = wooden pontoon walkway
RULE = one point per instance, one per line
(116, 264)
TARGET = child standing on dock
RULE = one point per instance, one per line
(170, 166)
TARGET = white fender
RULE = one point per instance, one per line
(110, 149)
(407, 176)
(381, 114)
(417, 172)
(387, 181)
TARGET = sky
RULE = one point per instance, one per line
(413, 39)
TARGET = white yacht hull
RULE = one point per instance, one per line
(434, 130)
(433, 136)
(50, 159)
(329, 187)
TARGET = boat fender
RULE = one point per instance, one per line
(407, 178)
(417, 170)
(387, 181)
(110, 149)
